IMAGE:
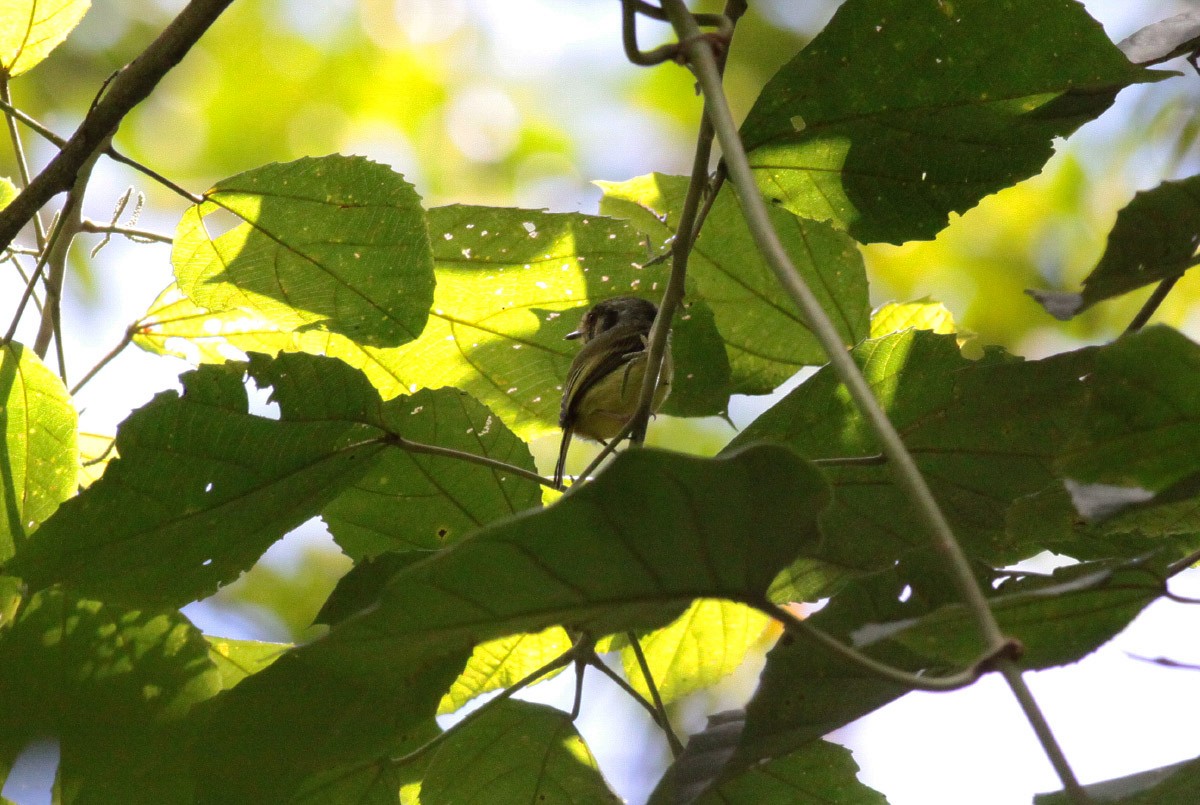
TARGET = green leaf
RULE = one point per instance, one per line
(702, 647)
(415, 501)
(39, 457)
(238, 659)
(202, 487)
(1155, 238)
(8, 190)
(511, 284)
(629, 550)
(1169, 785)
(515, 752)
(983, 433)
(335, 243)
(922, 315)
(819, 773)
(887, 121)
(503, 662)
(1143, 415)
(96, 675)
(376, 783)
(1058, 621)
(303, 727)
(1049, 519)
(765, 334)
(30, 29)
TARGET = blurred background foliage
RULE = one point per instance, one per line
(524, 102)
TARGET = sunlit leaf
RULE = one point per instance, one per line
(477, 762)
(764, 332)
(95, 451)
(924, 315)
(335, 243)
(30, 29)
(702, 647)
(238, 659)
(955, 100)
(39, 457)
(202, 487)
(503, 662)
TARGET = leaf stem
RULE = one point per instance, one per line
(39, 228)
(651, 685)
(884, 671)
(126, 340)
(560, 661)
(462, 455)
(659, 717)
(700, 57)
(1152, 304)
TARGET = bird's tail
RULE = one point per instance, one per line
(562, 457)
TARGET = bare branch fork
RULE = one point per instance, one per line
(697, 51)
(129, 88)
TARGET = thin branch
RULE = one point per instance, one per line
(131, 86)
(648, 677)
(560, 661)
(12, 257)
(1152, 303)
(659, 719)
(70, 218)
(39, 229)
(462, 455)
(34, 278)
(136, 235)
(126, 340)
(1177, 567)
(882, 670)
(700, 57)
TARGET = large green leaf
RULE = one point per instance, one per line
(30, 29)
(1143, 416)
(510, 284)
(515, 752)
(983, 433)
(1155, 238)
(765, 334)
(335, 243)
(629, 550)
(702, 647)
(1058, 620)
(202, 487)
(39, 457)
(415, 501)
(111, 684)
(893, 117)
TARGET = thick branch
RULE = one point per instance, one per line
(129, 88)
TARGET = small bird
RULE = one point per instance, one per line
(605, 378)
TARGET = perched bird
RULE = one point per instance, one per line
(605, 378)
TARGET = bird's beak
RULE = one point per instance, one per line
(570, 336)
